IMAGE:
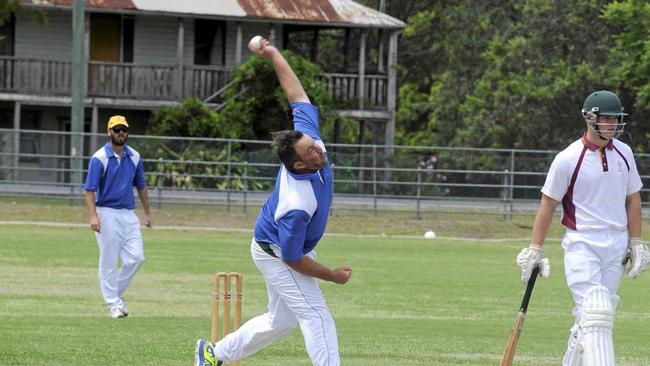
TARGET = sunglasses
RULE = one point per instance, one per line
(120, 129)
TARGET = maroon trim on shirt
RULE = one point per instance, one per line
(569, 217)
(591, 146)
(603, 159)
(623, 157)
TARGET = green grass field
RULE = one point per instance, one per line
(410, 301)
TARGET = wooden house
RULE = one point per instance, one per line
(140, 55)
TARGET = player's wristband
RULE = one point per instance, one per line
(636, 240)
(536, 247)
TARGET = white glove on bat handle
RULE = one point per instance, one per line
(532, 256)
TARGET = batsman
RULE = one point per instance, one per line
(597, 181)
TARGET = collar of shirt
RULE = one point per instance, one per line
(305, 176)
(111, 153)
(593, 147)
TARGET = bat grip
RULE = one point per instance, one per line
(529, 290)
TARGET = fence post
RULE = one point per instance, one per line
(15, 155)
(361, 174)
(419, 181)
(374, 178)
(512, 183)
(161, 169)
(332, 205)
(245, 185)
(505, 193)
(228, 182)
(180, 38)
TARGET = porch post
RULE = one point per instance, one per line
(346, 50)
(179, 58)
(392, 91)
(380, 51)
(380, 41)
(272, 36)
(238, 44)
(86, 52)
(314, 46)
(16, 139)
(362, 70)
(362, 158)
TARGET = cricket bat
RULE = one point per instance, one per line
(511, 346)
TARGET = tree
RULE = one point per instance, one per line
(263, 108)
(630, 60)
(254, 107)
(536, 77)
(515, 73)
(9, 8)
(191, 118)
(450, 36)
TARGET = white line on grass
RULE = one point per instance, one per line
(200, 228)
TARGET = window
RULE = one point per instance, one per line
(302, 40)
(29, 141)
(111, 37)
(209, 42)
(7, 36)
(128, 26)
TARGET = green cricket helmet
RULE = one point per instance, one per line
(603, 103)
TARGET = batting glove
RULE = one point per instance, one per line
(529, 258)
(639, 255)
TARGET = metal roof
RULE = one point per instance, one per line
(316, 12)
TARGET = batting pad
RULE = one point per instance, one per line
(573, 355)
(596, 323)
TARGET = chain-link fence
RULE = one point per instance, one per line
(240, 173)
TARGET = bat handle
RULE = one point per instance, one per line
(529, 290)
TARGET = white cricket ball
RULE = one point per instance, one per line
(255, 43)
(430, 234)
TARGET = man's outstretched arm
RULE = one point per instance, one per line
(288, 79)
(310, 267)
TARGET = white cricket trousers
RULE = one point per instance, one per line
(294, 299)
(593, 258)
(119, 239)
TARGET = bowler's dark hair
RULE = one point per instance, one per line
(283, 144)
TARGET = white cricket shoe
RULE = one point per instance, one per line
(116, 313)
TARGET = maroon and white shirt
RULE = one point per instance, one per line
(592, 183)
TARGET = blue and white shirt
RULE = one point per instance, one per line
(113, 177)
(295, 214)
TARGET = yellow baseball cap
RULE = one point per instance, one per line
(117, 120)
